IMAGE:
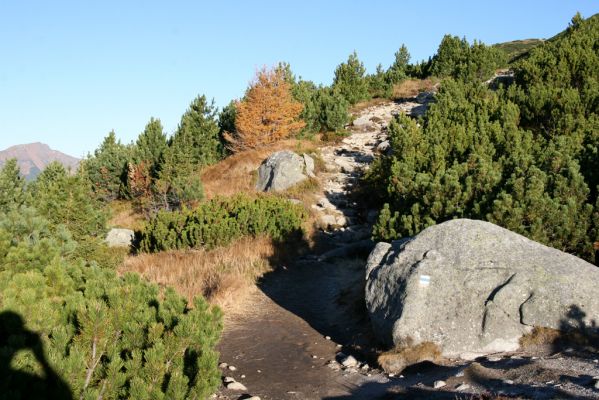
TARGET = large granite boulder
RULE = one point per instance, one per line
(283, 169)
(473, 288)
(119, 237)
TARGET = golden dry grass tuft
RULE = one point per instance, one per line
(124, 215)
(223, 275)
(411, 87)
(398, 359)
(362, 105)
(236, 173)
(540, 336)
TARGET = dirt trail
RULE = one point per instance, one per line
(284, 343)
(280, 346)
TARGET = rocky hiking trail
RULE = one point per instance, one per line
(303, 333)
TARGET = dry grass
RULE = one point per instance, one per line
(236, 174)
(540, 336)
(223, 275)
(124, 215)
(398, 359)
(362, 105)
(411, 87)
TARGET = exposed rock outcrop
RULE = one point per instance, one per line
(283, 169)
(473, 288)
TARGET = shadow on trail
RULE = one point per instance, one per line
(327, 294)
(18, 383)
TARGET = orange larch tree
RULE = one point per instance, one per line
(267, 113)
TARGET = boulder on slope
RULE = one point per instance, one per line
(283, 169)
(474, 288)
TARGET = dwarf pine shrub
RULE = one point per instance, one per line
(221, 220)
(73, 330)
(525, 157)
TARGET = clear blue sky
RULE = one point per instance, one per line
(72, 71)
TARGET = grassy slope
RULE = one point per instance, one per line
(517, 48)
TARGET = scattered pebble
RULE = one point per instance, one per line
(236, 386)
(439, 384)
(327, 337)
(462, 387)
(232, 368)
(391, 375)
(508, 382)
(242, 376)
(228, 379)
(314, 356)
(349, 361)
(259, 371)
(339, 346)
(223, 365)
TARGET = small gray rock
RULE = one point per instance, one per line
(236, 386)
(120, 237)
(309, 165)
(349, 361)
(383, 146)
(462, 387)
(439, 384)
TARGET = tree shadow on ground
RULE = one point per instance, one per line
(16, 383)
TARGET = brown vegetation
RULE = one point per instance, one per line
(552, 339)
(267, 114)
(236, 174)
(123, 214)
(411, 87)
(222, 275)
(398, 359)
(362, 105)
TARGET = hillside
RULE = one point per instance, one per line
(516, 48)
(34, 157)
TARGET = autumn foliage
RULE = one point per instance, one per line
(267, 113)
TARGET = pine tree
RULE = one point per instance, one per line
(350, 80)
(198, 133)
(12, 186)
(107, 168)
(268, 112)
(150, 145)
(398, 70)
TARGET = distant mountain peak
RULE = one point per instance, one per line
(32, 158)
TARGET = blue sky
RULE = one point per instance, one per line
(72, 71)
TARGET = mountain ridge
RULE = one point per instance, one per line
(32, 158)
